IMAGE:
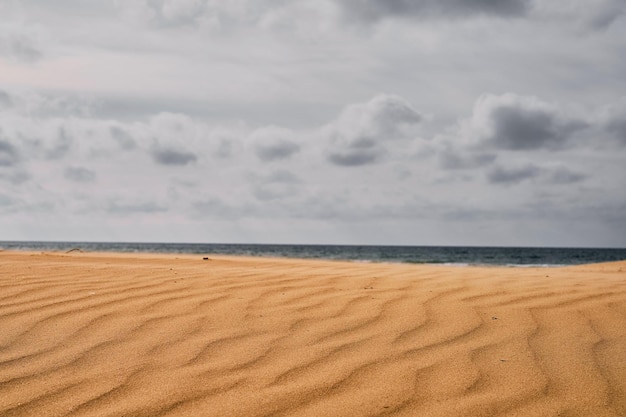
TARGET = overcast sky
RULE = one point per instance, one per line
(426, 122)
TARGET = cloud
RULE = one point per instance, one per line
(47, 105)
(21, 43)
(355, 157)
(558, 175)
(5, 200)
(171, 134)
(617, 127)
(79, 174)
(451, 159)
(596, 15)
(181, 10)
(501, 175)
(380, 9)
(562, 175)
(52, 139)
(519, 123)
(306, 19)
(224, 148)
(166, 156)
(134, 208)
(171, 13)
(278, 184)
(613, 120)
(5, 100)
(61, 146)
(215, 208)
(363, 132)
(281, 176)
(226, 143)
(123, 138)
(8, 154)
(603, 15)
(273, 143)
(15, 177)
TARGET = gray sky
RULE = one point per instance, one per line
(427, 122)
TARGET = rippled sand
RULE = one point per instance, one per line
(163, 335)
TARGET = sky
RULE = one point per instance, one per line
(400, 122)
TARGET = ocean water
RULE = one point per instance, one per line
(459, 255)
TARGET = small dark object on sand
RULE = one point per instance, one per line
(75, 250)
(206, 258)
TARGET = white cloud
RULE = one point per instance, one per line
(303, 18)
(364, 132)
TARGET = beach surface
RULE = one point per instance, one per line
(100, 334)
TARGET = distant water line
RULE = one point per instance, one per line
(460, 255)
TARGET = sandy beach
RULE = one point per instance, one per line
(84, 334)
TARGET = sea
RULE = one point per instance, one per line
(450, 255)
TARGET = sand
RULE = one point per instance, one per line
(85, 334)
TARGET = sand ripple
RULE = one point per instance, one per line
(146, 335)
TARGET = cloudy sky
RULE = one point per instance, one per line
(426, 122)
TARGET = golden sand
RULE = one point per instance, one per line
(163, 335)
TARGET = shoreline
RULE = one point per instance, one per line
(190, 255)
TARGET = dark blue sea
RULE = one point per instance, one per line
(458, 255)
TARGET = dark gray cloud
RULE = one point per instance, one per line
(280, 149)
(521, 123)
(8, 154)
(519, 129)
(501, 175)
(274, 143)
(166, 156)
(546, 175)
(356, 157)
(379, 9)
(524, 129)
(79, 174)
